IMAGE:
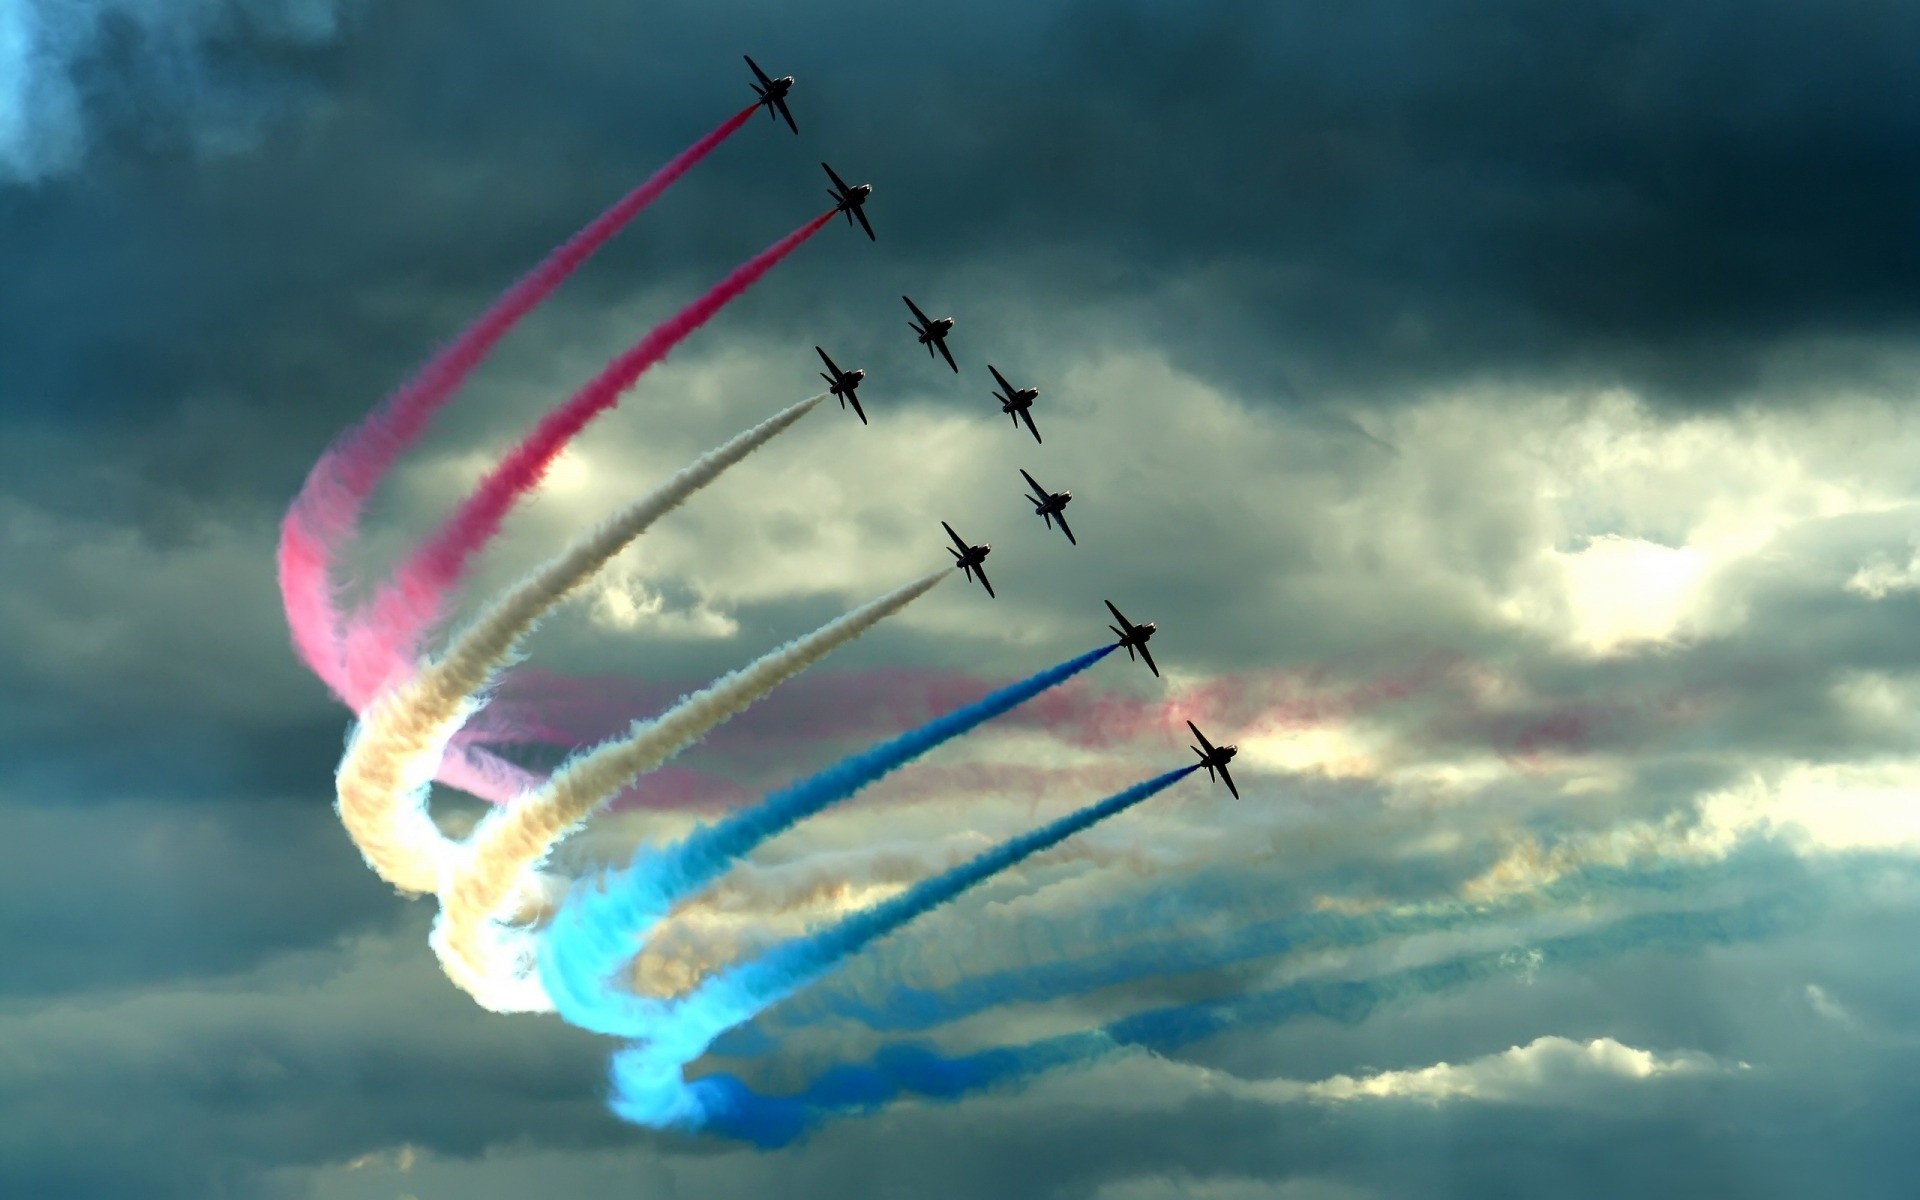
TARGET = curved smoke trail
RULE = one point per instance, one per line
(405, 608)
(649, 1087)
(397, 749)
(326, 513)
(510, 843)
(601, 924)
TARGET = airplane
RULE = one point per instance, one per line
(970, 558)
(772, 92)
(1134, 637)
(850, 200)
(933, 333)
(843, 384)
(1050, 506)
(1214, 758)
(1017, 403)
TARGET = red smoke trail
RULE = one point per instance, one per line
(413, 601)
(327, 511)
(538, 706)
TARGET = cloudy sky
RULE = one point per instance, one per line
(1505, 410)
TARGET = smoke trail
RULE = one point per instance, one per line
(599, 926)
(648, 1085)
(406, 607)
(400, 744)
(723, 1103)
(900, 1007)
(327, 511)
(510, 843)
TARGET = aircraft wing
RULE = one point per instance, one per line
(1062, 518)
(1001, 380)
(914, 307)
(1116, 614)
(837, 181)
(1228, 780)
(956, 537)
(860, 215)
(1201, 736)
(758, 73)
(780, 102)
(1039, 492)
(855, 401)
(982, 573)
(1149, 658)
(1027, 416)
(828, 361)
(948, 355)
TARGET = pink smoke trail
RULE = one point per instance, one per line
(403, 610)
(326, 513)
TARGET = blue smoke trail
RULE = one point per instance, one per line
(900, 1007)
(731, 1107)
(648, 1085)
(599, 926)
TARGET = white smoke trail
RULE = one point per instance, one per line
(390, 763)
(490, 961)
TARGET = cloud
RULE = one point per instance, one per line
(192, 68)
(1548, 1070)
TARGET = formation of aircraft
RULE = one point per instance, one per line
(970, 558)
(772, 92)
(843, 384)
(1018, 402)
(932, 332)
(1215, 758)
(851, 201)
(1049, 506)
(1134, 637)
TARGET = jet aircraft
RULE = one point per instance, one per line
(1050, 506)
(1134, 637)
(843, 384)
(1215, 758)
(933, 333)
(970, 558)
(772, 92)
(850, 200)
(1017, 403)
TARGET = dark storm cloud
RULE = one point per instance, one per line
(110, 893)
(1360, 193)
(180, 1089)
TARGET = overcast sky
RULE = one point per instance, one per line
(1505, 410)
